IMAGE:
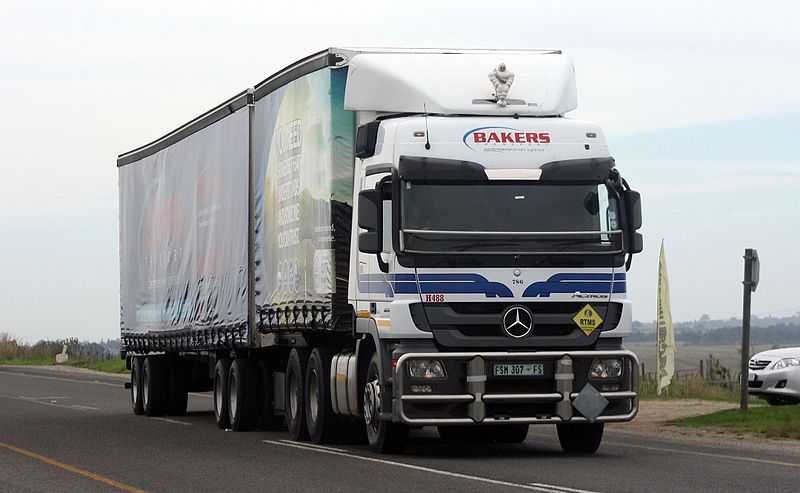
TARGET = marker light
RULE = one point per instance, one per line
(426, 368)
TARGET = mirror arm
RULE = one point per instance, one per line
(384, 266)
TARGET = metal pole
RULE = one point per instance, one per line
(251, 220)
(747, 292)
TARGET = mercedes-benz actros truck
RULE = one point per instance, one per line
(377, 240)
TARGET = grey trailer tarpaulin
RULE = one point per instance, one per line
(183, 240)
(184, 225)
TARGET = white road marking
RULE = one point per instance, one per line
(78, 406)
(561, 488)
(331, 451)
(52, 404)
(314, 445)
(175, 421)
(708, 454)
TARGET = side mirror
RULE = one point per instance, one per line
(633, 211)
(370, 217)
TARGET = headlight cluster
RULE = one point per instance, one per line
(606, 368)
(426, 368)
(786, 363)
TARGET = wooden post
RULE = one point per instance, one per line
(702, 373)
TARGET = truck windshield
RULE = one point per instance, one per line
(503, 218)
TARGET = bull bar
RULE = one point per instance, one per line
(475, 396)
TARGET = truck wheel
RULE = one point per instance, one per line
(221, 371)
(295, 394)
(324, 426)
(384, 437)
(581, 438)
(177, 387)
(154, 386)
(136, 385)
(241, 395)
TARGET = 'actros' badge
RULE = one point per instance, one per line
(517, 322)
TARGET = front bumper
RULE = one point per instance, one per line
(779, 383)
(471, 394)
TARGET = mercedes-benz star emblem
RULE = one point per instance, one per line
(517, 322)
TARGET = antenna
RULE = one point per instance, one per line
(427, 137)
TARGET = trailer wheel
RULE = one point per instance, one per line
(580, 438)
(241, 395)
(295, 394)
(177, 387)
(384, 437)
(136, 385)
(154, 386)
(221, 371)
(266, 419)
(324, 426)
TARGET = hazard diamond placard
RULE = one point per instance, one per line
(588, 319)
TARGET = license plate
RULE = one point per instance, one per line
(519, 370)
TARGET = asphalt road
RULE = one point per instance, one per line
(71, 432)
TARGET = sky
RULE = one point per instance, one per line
(699, 102)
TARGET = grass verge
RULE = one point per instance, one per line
(106, 365)
(769, 421)
(694, 388)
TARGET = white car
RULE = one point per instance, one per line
(775, 376)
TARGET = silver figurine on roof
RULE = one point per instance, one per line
(501, 78)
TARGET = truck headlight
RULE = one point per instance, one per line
(606, 368)
(426, 368)
(785, 363)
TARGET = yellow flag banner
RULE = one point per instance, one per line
(665, 334)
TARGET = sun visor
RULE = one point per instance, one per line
(542, 83)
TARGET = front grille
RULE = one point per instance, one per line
(546, 307)
(755, 384)
(541, 330)
(759, 364)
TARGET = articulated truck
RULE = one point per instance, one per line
(372, 241)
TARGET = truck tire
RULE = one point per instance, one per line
(580, 438)
(241, 395)
(136, 385)
(177, 387)
(385, 437)
(154, 386)
(324, 426)
(266, 418)
(295, 394)
(221, 371)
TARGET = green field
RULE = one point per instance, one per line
(769, 421)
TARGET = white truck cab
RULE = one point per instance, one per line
(492, 249)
